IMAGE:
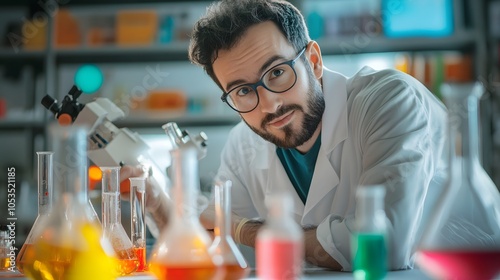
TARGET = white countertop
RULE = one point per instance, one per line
(318, 274)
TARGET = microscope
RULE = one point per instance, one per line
(108, 145)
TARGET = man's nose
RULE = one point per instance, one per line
(269, 102)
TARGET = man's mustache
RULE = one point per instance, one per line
(281, 111)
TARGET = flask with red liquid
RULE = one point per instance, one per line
(462, 238)
(280, 242)
(181, 251)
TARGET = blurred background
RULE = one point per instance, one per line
(141, 47)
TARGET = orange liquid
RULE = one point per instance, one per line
(4, 263)
(232, 272)
(26, 257)
(127, 261)
(164, 272)
(127, 266)
(141, 257)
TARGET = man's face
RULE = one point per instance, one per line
(286, 119)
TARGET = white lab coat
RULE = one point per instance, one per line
(379, 127)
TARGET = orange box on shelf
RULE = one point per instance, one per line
(34, 36)
(136, 27)
(458, 68)
(67, 30)
(166, 99)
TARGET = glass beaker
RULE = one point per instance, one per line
(462, 238)
(181, 251)
(45, 172)
(111, 221)
(137, 220)
(69, 245)
(232, 264)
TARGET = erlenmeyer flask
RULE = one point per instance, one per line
(111, 221)
(462, 238)
(181, 251)
(137, 220)
(70, 246)
(26, 255)
(232, 264)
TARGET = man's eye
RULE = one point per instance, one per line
(277, 72)
(243, 91)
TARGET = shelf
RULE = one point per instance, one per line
(182, 119)
(22, 55)
(177, 51)
(364, 44)
(21, 122)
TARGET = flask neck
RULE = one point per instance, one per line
(370, 214)
(70, 164)
(223, 209)
(45, 182)
(185, 184)
(464, 130)
(111, 207)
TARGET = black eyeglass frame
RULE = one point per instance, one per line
(254, 86)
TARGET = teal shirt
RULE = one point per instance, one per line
(300, 167)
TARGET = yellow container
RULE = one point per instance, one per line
(136, 27)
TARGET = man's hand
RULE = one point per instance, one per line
(207, 219)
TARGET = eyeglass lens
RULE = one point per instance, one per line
(277, 79)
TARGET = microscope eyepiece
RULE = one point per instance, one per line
(50, 104)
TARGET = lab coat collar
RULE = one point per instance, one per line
(334, 124)
(334, 131)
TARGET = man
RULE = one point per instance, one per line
(317, 134)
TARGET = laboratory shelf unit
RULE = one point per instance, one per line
(176, 51)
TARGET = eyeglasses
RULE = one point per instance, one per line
(280, 78)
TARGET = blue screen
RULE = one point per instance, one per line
(417, 18)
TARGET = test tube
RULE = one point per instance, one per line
(137, 217)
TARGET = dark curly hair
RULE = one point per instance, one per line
(226, 21)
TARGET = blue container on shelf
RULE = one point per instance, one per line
(422, 18)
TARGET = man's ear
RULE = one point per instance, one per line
(313, 53)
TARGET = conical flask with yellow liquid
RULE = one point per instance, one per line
(69, 245)
(45, 173)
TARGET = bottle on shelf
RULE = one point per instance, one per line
(112, 226)
(280, 242)
(369, 243)
(465, 226)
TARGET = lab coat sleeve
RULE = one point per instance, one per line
(233, 166)
(391, 126)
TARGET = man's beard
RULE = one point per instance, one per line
(294, 138)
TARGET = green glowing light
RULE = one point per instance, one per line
(88, 78)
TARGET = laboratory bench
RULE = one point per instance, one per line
(320, 274)
(310, 273)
